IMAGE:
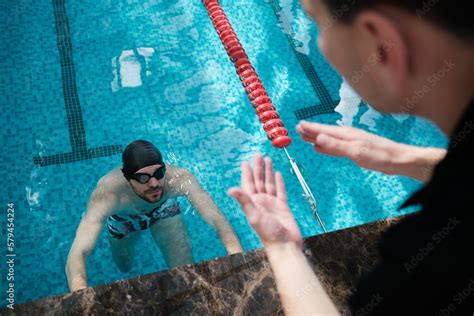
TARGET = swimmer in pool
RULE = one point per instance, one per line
(142, 195)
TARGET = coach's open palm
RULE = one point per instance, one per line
(262, 196)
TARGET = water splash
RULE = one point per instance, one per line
(36, 186)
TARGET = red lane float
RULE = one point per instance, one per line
(258, 96)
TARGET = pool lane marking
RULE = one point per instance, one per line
(75, 122)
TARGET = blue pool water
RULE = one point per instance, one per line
(80, 80)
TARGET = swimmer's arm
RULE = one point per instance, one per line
(203, 203)
(99, 207)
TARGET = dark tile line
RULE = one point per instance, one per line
(77, 133)
(79, 155)
(311, 111)
(327, 105)
(75, 122)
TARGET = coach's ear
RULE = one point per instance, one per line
(385, 49)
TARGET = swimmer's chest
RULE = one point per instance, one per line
(131, 207)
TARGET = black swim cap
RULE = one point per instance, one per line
(140, 154)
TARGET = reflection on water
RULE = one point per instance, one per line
(349, 104)
(295, 24)
(349, 107)
(369, 118)
(131, 67)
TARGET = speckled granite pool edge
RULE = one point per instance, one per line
(240, 284)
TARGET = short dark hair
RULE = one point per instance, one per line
(453, 16)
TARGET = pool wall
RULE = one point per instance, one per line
(240, 284)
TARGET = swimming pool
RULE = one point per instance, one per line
(79, 81)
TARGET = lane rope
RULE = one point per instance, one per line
(257, 94)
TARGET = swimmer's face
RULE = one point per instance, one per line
(368, 52)
(152, 191)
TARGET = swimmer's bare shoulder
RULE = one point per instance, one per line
(177, 179)
(106, 199)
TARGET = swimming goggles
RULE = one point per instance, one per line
(145, 177)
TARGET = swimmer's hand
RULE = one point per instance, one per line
(370, 151)
(263, 199)
(78, 283)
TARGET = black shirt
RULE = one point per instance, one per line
(427, 260)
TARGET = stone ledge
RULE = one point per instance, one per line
(240, 284)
